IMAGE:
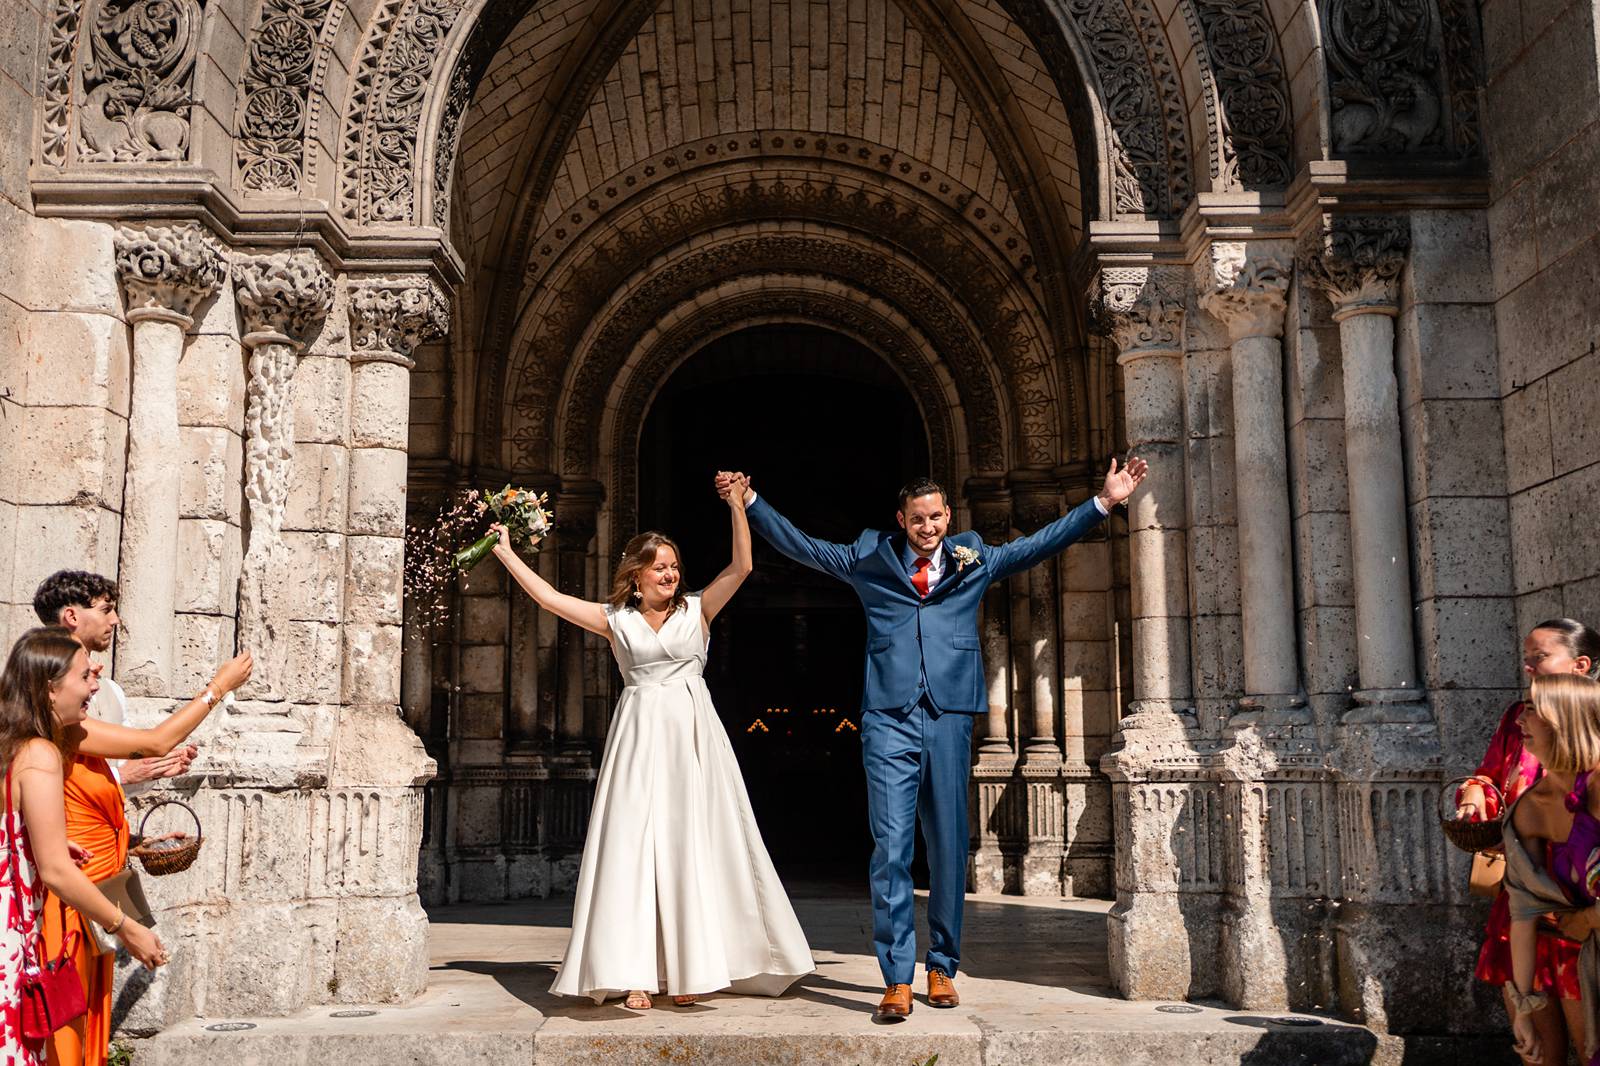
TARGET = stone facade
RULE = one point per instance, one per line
(280, 274)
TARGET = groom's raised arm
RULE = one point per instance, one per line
(836, 560)
(1024, 552)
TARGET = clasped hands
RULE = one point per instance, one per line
(732, 486)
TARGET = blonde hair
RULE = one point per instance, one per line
(1570, 705)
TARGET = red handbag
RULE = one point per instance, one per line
(52, 992)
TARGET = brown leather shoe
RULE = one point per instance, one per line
(895, 1005)
(941, 990)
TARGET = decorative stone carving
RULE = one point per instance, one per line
(1383, 75)
(1245, 291)
(1255, 125)
(137, 80)
(391, 317)
(1141, 308)
(282, 297)
(173, 268)
(1357, 260)
(274, 92)
(56, 81)
(378, 155)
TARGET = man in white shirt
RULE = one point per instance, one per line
(86, 604)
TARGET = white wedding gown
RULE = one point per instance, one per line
(676, 891)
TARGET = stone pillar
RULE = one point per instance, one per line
(283, 297)
(1245, 289)
(1036, 504)
(166, 272)
(998, 816)
(416, 672)
(577, 513)
(1144, 308)
(1357, 261)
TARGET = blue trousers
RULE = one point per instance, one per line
(917, 763)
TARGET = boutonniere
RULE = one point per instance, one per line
(964, 556)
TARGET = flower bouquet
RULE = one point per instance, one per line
(522, 513)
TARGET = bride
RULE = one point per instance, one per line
(675, 891)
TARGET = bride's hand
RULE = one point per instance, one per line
(737, 486)
(503, 545)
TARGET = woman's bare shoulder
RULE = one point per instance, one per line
(1532, 813)
(37, 753)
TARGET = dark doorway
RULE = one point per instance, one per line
(828, 434)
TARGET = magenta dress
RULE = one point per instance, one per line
(1575, 862)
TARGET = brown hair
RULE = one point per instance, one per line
(1570, 705)
(639, 553)
(40, 658)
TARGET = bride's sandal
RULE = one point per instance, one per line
(684, 1001)
(637, 1000)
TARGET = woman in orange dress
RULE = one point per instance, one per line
(97, 824)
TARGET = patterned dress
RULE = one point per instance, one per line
(1510, 767)
(1575, 862)
(22, 925)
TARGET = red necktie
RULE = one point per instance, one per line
(919, 577)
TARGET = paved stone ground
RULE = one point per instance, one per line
(1034, 985)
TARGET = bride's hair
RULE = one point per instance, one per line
(639, 553)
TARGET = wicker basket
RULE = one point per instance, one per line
(162, 857)
(1468, 835)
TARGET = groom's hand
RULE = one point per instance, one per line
(727, 481)
(1121, 483)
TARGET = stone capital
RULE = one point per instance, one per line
(284, 295)
(168, 270)
(391, 317)
(1245, 288)
(1141, 308)
(1356, 260)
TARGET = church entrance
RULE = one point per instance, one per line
(829, 434)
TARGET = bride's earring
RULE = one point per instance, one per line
(636, 594)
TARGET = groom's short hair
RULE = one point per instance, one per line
(922, 486)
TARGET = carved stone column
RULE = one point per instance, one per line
(577, 512)
(282, 297)
(1143, 308)
(389, 318)
(999, 815)
(1245, 289)
(1357, 261)
(166, 272)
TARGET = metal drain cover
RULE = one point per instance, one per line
(1296, 1021)
(230, 1027)
(352, 1014)
(1177, 1008)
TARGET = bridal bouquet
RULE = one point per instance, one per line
(523, 514)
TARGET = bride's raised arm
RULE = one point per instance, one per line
(585, 613)
(721, 590)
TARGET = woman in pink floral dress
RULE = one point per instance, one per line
(44, 695)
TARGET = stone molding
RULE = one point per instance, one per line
(1245, 289)
(1141, 309)
(285, 294)
(274, 94)
(168, 268)
(391, 317)
(1356, 260)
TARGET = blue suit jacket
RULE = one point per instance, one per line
(909, 637)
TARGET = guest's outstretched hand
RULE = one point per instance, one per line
(1121, 483)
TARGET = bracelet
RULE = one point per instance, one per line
(121, 920)
(209, 696)
(1526, 1002)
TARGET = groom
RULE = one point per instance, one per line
(924, 683)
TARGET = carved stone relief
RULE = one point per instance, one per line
(274, 95)
(1140, 308)
(137, 80)
(173, 268)
(391, 82)
(1357, 259)
(1247, 291)
(1255, 120)
(390, 317)
(1383, 75)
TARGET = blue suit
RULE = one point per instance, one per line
(924, 682)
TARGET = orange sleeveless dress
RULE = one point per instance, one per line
(96, 820)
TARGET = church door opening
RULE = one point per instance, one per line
(829, 434)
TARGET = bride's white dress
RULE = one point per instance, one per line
(676, 891)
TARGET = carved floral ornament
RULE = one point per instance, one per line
(169, 268)
(286, 294)
(1357, 260)
(1245, 288)
(1141, 308)
(274, 94)
(391, 317)
(136, 81)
